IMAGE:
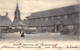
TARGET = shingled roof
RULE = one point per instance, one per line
(55, 12)
(5, 21)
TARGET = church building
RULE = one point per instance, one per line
(56, 20)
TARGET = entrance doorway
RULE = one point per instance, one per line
(58, 28)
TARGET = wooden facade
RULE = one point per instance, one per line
(56, 20)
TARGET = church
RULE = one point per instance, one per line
(56, 20)
(6, 24)
(17, 16)
(5, 21)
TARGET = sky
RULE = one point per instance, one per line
(30, 6)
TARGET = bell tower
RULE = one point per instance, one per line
(17, 15)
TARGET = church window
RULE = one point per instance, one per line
(52, 17)
(39, 19)
(70, 27)
(58, 17)
(34, 20)
(65, 16)
(49, 18)
(70, 16)
(43, 19)
(46, 19)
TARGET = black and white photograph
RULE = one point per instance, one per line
(39, 24)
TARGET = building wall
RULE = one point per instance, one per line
(45, 29)
(72, 17)
(73, 27)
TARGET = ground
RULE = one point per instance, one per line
(39, 37)
(10, 38)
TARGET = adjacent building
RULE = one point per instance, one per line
(4, 20)
(56, 20)
(4, 23)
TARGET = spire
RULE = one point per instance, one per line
(17, 7)
(17, 14)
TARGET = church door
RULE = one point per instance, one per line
(58, 28)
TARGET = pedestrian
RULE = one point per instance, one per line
(22, 35)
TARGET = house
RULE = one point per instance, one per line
(4, 20)
(4, 23)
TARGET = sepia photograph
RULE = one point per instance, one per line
(39, 24)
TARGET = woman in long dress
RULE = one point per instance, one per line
(22, 35)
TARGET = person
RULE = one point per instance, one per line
(22, 35)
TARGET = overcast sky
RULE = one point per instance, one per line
(28, 6)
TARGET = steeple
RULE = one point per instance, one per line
(17, 7)
(17, 14)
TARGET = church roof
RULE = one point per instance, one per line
(55, 12)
